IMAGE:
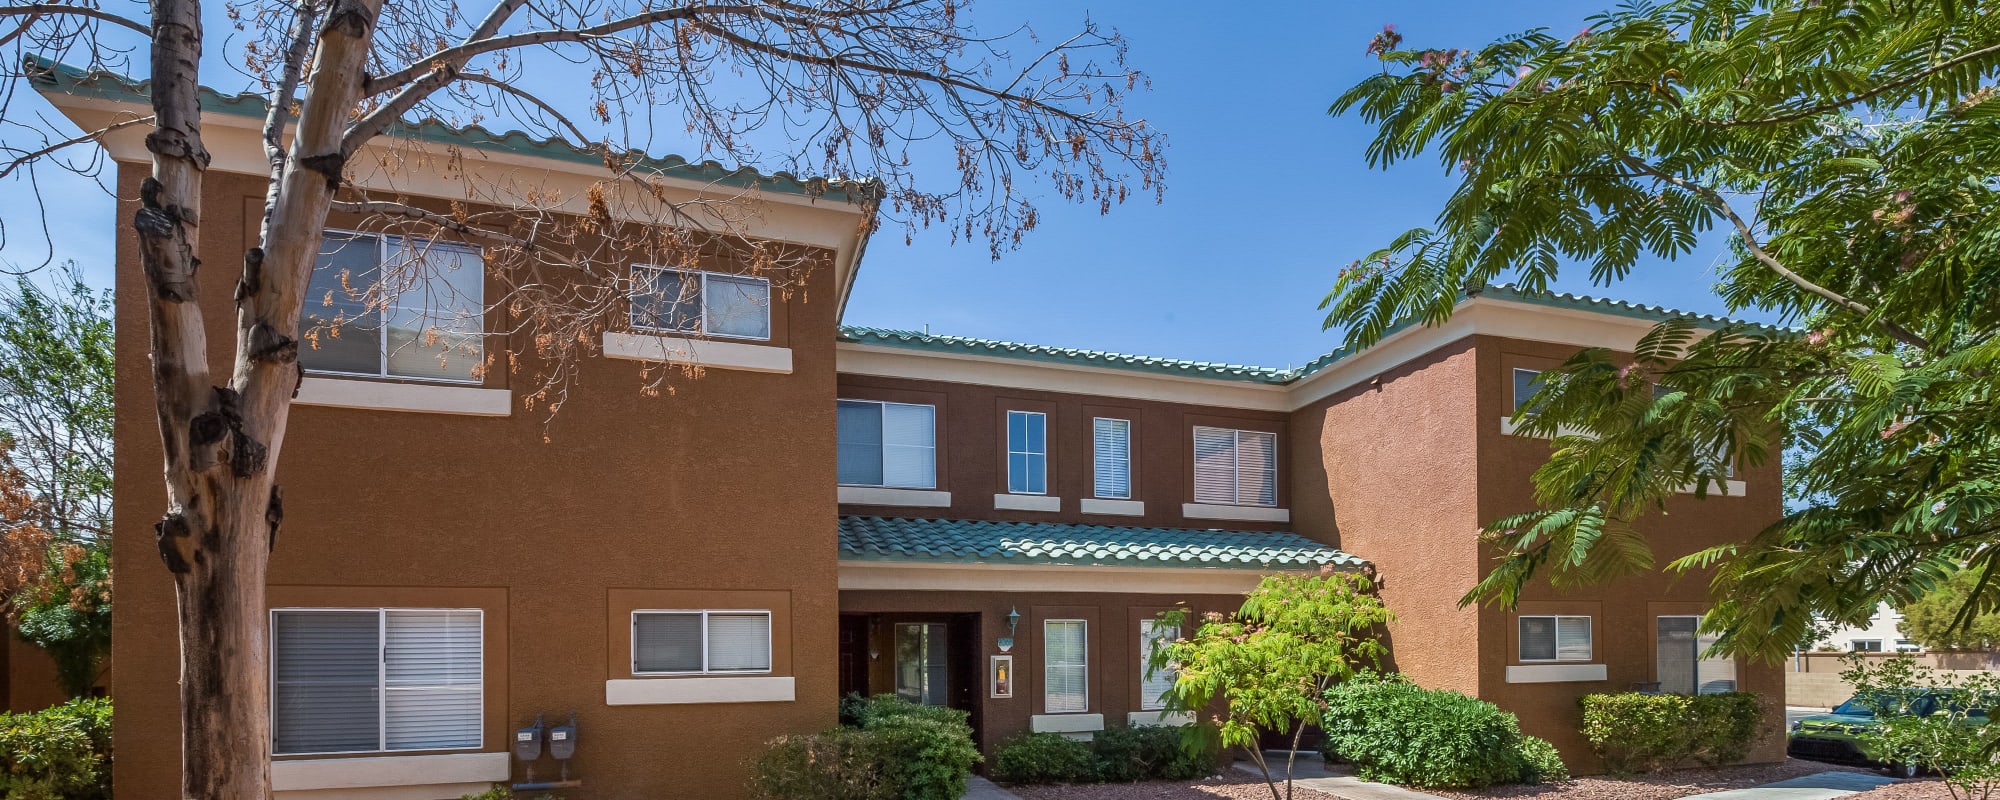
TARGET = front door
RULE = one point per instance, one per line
(923, 664)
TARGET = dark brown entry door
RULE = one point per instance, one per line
(853, 654)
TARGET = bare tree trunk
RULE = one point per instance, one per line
(221, 441)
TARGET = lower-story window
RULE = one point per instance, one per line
(356, 680)
(922, 673)
(1555, 638)
(1065, 666)
(1681, 667)
(1154, 683)
(700, 642)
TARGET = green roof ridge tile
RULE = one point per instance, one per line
(866, 538)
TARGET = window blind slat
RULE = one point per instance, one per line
(858, 434)
(1713, 675)
(909, 446)
(1214, 465)
(1538, 639)
(432, 672)
(1153, 686)
(1111, 458)
(1573, 639)
(1257, 468)
(325, 673)
(1676, 649)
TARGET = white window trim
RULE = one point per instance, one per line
(885, 453)
(1011, 452)
(1086, 670)
(381, 678)
(704, 612)
(1093, 459)
(386, 395)
(454, 772)
(700, 690)
(1236, 467)
(632, 315)
(1589, 624)
(382, 314)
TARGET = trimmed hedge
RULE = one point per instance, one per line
(1645, 732)
(890, 750)
(1394, 731)
(59, 753)
(1114, 755)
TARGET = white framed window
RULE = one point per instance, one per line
(1065, 666)
(1679, 663)
(1153, 684)
(1027, 452)
(389, 306)
(701, 642)
(1111, 458)
(702, 303)
(1526, 383)
(364, 680)
(886, 444)
(1235, 467)
(1864, 645)
(1555, 638)
(1908, 646)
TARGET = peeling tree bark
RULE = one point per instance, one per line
(220, 441)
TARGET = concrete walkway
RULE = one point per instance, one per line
(1823, 786)
(982, 789)
(1312, 773)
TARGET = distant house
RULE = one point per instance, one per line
(830, 509)
(1882, 634)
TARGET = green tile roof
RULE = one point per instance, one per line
(988, 542)
(939, 343)
(55, 77)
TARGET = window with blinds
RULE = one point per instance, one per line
(1679, 663)
(1154, 683)
(1065, 666)
(387, 305)
(734, 306)
(1027, 452)
(1111, 458)
(886, 444)
(700, 642)
(1555, 638)
(376, 679)
(1234, 467)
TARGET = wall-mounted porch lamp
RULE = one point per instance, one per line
(1013, 620)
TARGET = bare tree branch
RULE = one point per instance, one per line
(53, 9)
(74, 140)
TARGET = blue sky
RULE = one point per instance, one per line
(1267, 195)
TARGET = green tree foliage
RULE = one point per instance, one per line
(55, 399)
(1933, 620)
(1931, 720)
(1849, 150)
(1269, 665)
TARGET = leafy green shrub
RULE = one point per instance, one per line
(1635, 732)
(893, 750)
(501, 791)
(1044, 758)
(1146, 753)
(1394, 731)
(1931, 720)
(60, 753)
(1540, 763)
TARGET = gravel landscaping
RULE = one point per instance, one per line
(1925, 789)
(1665, 785)
(1233, 788)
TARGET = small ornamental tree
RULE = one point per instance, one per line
(1268, 666)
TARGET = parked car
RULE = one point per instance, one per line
(1840, 735)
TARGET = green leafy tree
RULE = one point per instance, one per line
(1933, 620)
(1268, 666)
(55, 399)
(1931, 720)
(1848, 150)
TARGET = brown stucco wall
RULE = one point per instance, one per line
(1624, 628)
(972, 450)
(1113, 632)
(31, 677)
(724, 485)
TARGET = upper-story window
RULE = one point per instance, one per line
(1027, 452)
(1555, 638)
(1235, 467)
(395, 307)
(706, 303)
(1526, 383)
(1111, 458)
(887, 444)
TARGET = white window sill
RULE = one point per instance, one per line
(1027, 502)
(1140, 719)
(1238, 513)
(422, 398)
(703, 352)
(882, 496)
(1066, 723)
(679, 691)
(1117, 508)
(443, 772)
(1555, 673)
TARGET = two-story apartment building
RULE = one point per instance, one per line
(826, 509)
